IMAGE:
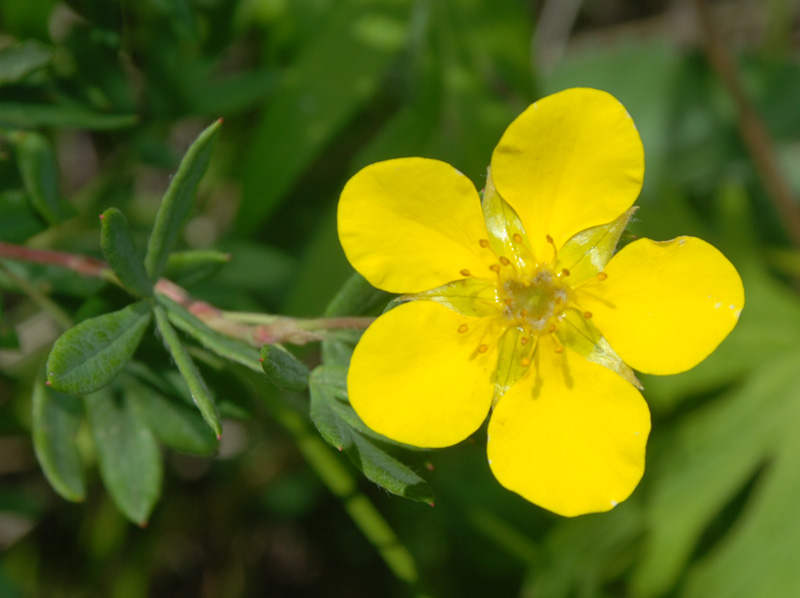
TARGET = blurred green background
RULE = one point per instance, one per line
(310, 91)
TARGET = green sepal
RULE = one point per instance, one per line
(127, 453)
(469, 297)
(356, 296)
(576, 332)
(118, 249)
(88, 356)
(197, 386)
(283, 369)
(56, 420)
(515, 346)
(340, 427)
(177, 202)
(502, 224)
(587, 253)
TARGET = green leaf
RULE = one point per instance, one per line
(197, 386)
(19, 60)
(127, 452)
(85, 358)
(176, 424)
(56, 420)
(357, 296)
(189, 267)
(336, 430)
(336, 74)
(283, 369)
(222, 345)
(31, 116)
(18, 220)
(39, 173)
(118, 249)
(177, 201)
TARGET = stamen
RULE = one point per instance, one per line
(552, 329)
(523, 340)
(523, 313)
(483, 348)
(565, 272)
(463, 328)
(464, 272)
(553, 245)
(587, 314)
(602, 276)
(495, 267)
(508, 301)
(525, 362)
(484, 243)
(517, 238)
(504, 260)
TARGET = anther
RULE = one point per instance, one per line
(523, 313)
(504, 260)
(550, 239)
(587, 314)
(552, 329)
(508, 301)
(565, 272)
(559, 349)
(523, 340)
(463, 328)
(483, 348)
(464, 272)
(517, 238)
(553, 244)
(484, 243)
(495, 267)
(602, 276)
(525, 362)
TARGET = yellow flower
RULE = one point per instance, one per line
(518, 306)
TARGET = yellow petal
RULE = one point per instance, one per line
(571, 436)
(571, 161)
(664, 307)
(412, 224)
(422, 374)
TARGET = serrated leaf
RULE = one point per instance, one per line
(197, 386)
(127, 453)
(56, 420)
(283, 369)
(222, 345)
(177, 202)
(375, 464)
(86, 357)
(39, 173)
(174, 423)
(31, 116)
(118, 249)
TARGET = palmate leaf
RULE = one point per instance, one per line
(86, 357)
(377, 465)
(127, 453)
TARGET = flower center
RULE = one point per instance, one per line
(534, 301)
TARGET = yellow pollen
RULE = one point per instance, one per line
(505, 261)
(565, 272)
(484, 243)
(517, 238)
(483, 348)
(525, 362)
(587, 314)
(463, 328)
(464, 272)
(602, 276)
(495, 267)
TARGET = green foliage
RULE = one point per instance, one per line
(99, 101)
